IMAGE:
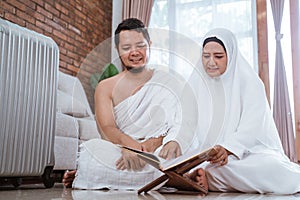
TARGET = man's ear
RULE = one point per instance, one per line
(117, 49)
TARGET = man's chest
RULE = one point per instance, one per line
(123, 91)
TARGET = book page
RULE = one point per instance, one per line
(149, 158)
(185, 157)
(162, 164)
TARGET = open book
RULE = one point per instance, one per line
(174, 170)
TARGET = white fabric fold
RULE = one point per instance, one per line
(152, 111)
(159, 108)
(156, 109)
(236, 115)
(236, 104)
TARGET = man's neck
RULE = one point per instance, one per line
(135, 70)
(140, 76)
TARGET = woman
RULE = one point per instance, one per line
(250, 157)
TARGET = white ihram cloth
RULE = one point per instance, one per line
(152, 111)
(237, 116)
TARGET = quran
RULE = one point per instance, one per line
(174, 178)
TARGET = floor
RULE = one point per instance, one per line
(58, 192)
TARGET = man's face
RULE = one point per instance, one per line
(133, 49)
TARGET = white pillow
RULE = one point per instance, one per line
(66, 82)
(72, 86)
(87, 129)
(68, 105)
(66, 126)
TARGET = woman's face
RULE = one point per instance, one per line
(214, 59)
(133, 49)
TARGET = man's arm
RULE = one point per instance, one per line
(105, 116)
(152, 144)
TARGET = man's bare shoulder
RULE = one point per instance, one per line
(109, 83)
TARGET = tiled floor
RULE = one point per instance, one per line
(38, 191)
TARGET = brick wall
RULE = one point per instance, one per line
(79, 27)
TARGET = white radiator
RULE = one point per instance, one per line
(28, 83)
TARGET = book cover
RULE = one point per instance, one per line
(174, 170)
(164, 165)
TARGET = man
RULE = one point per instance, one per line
(139, 108)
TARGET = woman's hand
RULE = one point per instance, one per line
(170, 150)
(221, 155)
(130, 161)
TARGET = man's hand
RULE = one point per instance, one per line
(130, 162)
(170, 150)
(152, 144)
(221, 155)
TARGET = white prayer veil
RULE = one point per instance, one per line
(237, 114)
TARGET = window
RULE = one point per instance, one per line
(188, 20)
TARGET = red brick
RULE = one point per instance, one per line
(43, 26)
(65, 18)
(61, 8)
(53, 24)
(74, 29)
(34, 28)
(63, 50)
(29, 4)
(90, 69)
(83, 74)
(59, 21)
(38, 2)
(73, 68)
(67, 71)
(67, 5)
(62, 64)
(82, 52)
(71, 40)
(80, 15)
(51, 9)
(7, 7)
(76, 63)
(14, 19)
(79, 7)
(44, 12)
(59, 34)
(72, 3)
(65, 58)
(72, 55)
(17, 4)
(69, 47)
(38, 16)
(25, 16)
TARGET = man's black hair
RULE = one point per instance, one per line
(131, 24)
